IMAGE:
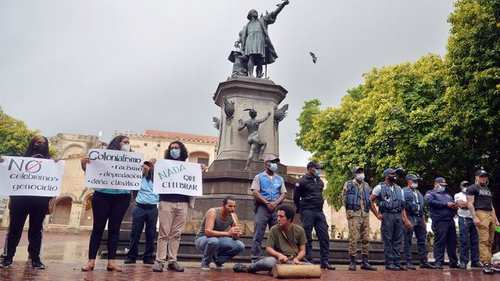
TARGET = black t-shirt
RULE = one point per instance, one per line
(482, 197)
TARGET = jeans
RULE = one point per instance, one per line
(316, 219)
(469, 241)
(263, 218)
(143, 216)
(445, 236)
(267, 264)
(218, 249)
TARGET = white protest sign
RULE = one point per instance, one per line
(177, 177)
(30, 176)
(114, 169)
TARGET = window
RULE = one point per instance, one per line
(202, 160)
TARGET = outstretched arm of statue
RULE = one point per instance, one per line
(264, 119)
(271, 17)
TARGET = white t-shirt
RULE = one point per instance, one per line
(464, 213)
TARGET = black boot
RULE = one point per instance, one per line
(365, 265)
(352, 265)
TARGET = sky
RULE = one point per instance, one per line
(73, 66)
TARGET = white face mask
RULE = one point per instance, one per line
(273, 167)
(125, 147)
(360, 176)
(414, 185)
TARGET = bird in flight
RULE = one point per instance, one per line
(314, 57)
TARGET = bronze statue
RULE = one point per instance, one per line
(255, 43)
(257, 146)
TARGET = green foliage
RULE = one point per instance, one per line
(432, 117)
(14, 135)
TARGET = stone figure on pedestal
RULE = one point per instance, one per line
(254, 44)
(257, 146)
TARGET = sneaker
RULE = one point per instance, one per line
(476, 265)
(401, 267)
(129, 261)
(219, 266)
(175, 266)
(239, 267)
(205, 267)
(487, 269)
(158, 266)
(6, 263)
(392, 267)
(462, 266)
(438, 266)
(427, 265)
(411, 267)
(37, 264)
(148, 261)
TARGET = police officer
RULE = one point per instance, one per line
(268, 189)
(480, 202)
(356, 198)
(414, 208)
(390, 200)
(308, 199)
(443, 209)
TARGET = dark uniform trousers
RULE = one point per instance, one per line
(420, 230)
(445, 237)
(392, 235)
(316, 219)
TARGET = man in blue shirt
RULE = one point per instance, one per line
(443, 209)
(268, 189)
(144, 213)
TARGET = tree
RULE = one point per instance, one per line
(14, 135)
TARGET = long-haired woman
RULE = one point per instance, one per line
(108, 206)
(36, 207)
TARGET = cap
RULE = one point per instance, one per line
(389, 171)
(411, 177)
(481, 173)
(357, 169)
(464, 184)
(440, 180)
(271, 158)
(313, 164)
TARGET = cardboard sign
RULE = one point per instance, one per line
(30, 176)
(114, 169)
(177, 177)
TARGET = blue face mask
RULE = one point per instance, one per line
(440, 188)
(317, 172)
(273, 167)
(175, 153)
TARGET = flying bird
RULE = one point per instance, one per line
(314, 57)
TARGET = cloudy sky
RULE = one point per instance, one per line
(77, 66)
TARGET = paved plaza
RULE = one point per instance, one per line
(64, 254)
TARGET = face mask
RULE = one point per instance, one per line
(414, 185)
(317, 172)
(273, 167)
(360, 176)
(175, 153)
(440, 188)
(392, 179)
(464, 190)
(125, 147)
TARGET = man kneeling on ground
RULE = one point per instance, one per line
(286, 243)
(218, 236)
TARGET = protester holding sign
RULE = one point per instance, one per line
(108, 206)
(145, 213)
(36, 207)
(172, 213)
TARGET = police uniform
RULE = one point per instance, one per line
(308, 199)
(356, 198)
(390, 200)
(414, 205)
(271, 188)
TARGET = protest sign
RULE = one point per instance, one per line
(28, 176)
(114, 169)
(177, 177)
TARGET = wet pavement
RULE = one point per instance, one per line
(64, 254)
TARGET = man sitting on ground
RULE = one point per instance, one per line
(218, 236)
(286, 243)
